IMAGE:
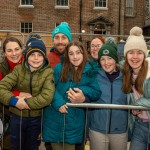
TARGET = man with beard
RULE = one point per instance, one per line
(61, 36)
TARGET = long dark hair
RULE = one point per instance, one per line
(68, 69)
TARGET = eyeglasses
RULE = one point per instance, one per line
(96, 46)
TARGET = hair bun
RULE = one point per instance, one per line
(136, 31)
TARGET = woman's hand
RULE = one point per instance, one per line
(136, 112)
(63, 109)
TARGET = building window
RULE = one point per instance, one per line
(101, 3)
(147, 14)
(129, 7)
(99, 28)
(61, 2)
(26, 2)
(26, 27)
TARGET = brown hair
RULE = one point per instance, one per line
(100, 38)
(11, 39)
(128, 80)
(75, 75)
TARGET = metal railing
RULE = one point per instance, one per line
(107, 106)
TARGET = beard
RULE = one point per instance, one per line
(60, 48)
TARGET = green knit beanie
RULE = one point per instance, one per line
(108, 49)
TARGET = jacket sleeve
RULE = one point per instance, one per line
(58, 99)
(145, 99)
(92, 91)
(16, 93)
(44, 98)
(145, 102)
(6, 86)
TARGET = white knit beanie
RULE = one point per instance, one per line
(135, 41)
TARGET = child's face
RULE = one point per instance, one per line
(35, 60)
(75, 56)
(108, 64)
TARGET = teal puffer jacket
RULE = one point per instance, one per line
(68, 128)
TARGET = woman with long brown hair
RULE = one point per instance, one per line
(136, 83)
(75, 81)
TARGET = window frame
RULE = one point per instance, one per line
(30, 5)
(61, 6)
(101, 7)
(30, 29)
(129, 5)
(147, 14)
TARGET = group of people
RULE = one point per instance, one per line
(36, 86)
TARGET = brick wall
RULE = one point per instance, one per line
(44, 15)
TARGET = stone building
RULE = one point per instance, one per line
(115, 17)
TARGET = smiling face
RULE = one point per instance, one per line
(108, 64)
(13, 52)
(135, 59)
(95, 47)
(75, 56)
(60, 42)
(35, 60)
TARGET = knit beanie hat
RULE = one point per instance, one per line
(34, 44)
(64, 29)
(108, 49)
(135, 41)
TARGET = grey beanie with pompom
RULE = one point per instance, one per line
(135, 41)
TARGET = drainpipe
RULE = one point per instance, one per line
(119, 17)
(80, 21)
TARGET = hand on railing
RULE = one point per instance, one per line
(63, 109)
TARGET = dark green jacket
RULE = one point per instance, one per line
(39, 83)
(4, 70)
(4, 67)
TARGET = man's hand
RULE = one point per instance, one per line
(21, 104)
(76, 95)
(63, 109)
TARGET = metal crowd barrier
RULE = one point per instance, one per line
(106, 106)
